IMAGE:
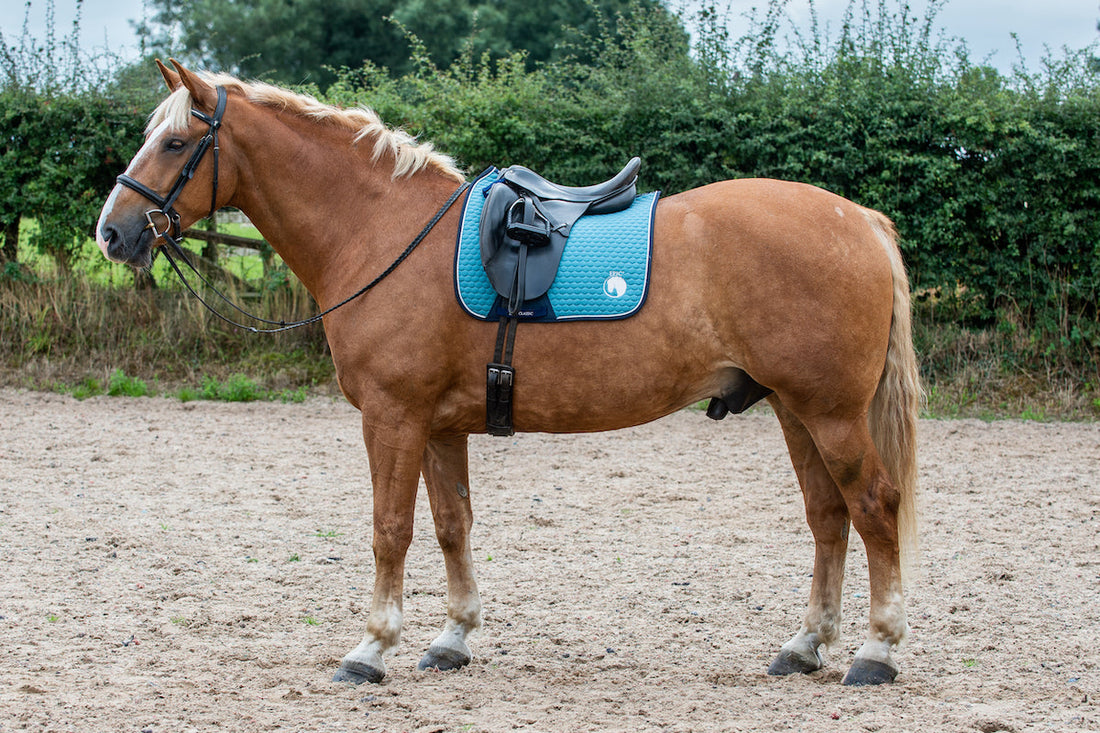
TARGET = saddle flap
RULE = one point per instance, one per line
(501, 253)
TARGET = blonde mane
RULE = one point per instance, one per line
(410, 155)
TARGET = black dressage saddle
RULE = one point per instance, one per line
(526, 222)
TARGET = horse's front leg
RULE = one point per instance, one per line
(395, 458)
(446, 475)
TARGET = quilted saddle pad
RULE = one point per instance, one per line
(604, 270)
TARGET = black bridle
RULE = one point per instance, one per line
(172, 223)
(167, 203)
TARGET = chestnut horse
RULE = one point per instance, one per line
(800, 289)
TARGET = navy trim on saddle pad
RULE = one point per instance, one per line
(604, 270)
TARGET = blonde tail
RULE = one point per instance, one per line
(898, 399)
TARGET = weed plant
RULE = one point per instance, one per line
(119, 384)
(89, 339)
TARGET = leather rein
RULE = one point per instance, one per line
(171, 223)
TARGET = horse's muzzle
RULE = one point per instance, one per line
(132, 246)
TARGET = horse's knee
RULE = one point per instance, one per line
(452, 536)
(391, 538)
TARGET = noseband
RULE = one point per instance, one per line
(167, 203)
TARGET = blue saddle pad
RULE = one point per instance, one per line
(604, 270)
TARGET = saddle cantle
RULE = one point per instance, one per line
(526, 221)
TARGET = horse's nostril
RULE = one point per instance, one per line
(112, 242)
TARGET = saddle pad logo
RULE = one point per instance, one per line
(604, 271)
(614, 286)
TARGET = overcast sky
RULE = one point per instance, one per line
(986, 25)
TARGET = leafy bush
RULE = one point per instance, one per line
(87, 387)
(993, 179)
(60, 157)
(67, 129)
(121, 385)
(237, 388)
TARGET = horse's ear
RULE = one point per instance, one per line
(171, 78)
(202, 93)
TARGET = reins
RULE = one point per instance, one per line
(282, 325)
(172, 223)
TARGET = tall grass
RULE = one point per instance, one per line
(62, 332)
(1000, 372)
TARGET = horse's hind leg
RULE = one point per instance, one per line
(447, 477)
(849, 454)
(827, 515)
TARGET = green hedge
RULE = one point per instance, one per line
(993, 180)
(59, 160)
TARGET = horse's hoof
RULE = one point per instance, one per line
(790, 662)
(357, 673)
(444, 659)
(869, 672)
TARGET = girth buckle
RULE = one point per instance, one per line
(500, 378)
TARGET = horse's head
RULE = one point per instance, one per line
(172, 182)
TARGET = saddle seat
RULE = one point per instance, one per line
(533, 183)
(526, 221)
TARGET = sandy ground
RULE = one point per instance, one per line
(173, 567)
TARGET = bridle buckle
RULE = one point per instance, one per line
(171, 223)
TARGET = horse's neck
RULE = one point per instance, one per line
(334, 216)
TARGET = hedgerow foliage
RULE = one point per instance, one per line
(993, 179)
(67, 128)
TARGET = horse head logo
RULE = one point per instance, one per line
(614, 287)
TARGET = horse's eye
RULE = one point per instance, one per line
(174, 145)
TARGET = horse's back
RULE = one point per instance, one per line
(768, 213)
(777, 236)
